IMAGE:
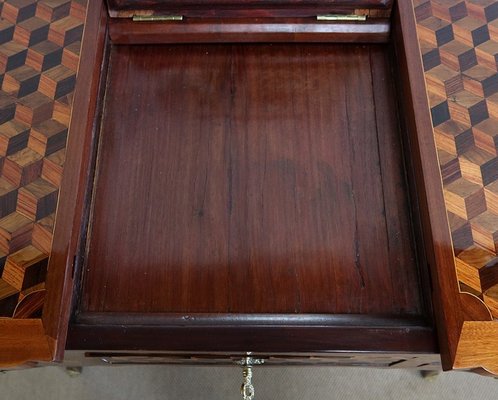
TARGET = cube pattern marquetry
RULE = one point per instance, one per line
(459, 45)
(39, 55)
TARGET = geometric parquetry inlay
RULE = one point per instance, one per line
(39, 52)
(459, 43)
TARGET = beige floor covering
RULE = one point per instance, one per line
(222, 383)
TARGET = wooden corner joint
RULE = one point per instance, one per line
(23, 342)
(478, 346)
(478, 343)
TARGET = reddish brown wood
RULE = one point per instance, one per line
(474, 309)
(245, 8)
(30, 132)
(71, 199)
(211, 30)
(23, 341)
(467, 106)
(391, 159)
(252, 184)
(435, 229)
(31, 306)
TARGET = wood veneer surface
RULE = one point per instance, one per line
(39, 51)
(459, 44)
(249, 8)
(250, 179)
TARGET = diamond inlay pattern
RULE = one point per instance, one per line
(39, 53)
(459, 43)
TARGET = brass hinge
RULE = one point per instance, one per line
(341, 17)
(157, 18)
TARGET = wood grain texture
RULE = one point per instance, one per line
(474, 309)
(260, 339)
(32, 132)
(477, 346)
(456, 47)
(466, 138)
(250, 8)
(467, 134)
(31, 80)
(433, 221)
(59, 282)
(477, 268)
(269, 205)
(23, 341)
(250, 30)
(31, 305)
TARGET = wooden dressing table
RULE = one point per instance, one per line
(249, 177)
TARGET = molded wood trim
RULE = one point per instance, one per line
(203, 30)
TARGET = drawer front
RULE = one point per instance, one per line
(386, 360)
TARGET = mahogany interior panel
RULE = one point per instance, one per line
(249, 8)
(250, 179)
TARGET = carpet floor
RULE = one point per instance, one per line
(206, 383)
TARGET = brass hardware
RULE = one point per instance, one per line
(151, 18)
(341, 17)
(247, 388)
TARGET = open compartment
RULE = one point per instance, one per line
(279, 127)
(255, 186)
(251, 178)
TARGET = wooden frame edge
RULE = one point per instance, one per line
(241, 8)
(59, 282)
(241, 30)
(440, 256)
(469, 344)
(229, 339)
(467, 335)
(26, 342)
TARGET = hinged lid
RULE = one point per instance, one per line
(249, 8)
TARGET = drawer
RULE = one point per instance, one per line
(249, 176)
(399, 360)
(253, 192)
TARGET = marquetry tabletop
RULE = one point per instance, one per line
(459, 45)
(39, 54)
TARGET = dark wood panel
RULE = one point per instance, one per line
(400, 251)
(247, 8)
(247, 3)
(255, 338)
(251, 332)
(237, 178)
(217, 30)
